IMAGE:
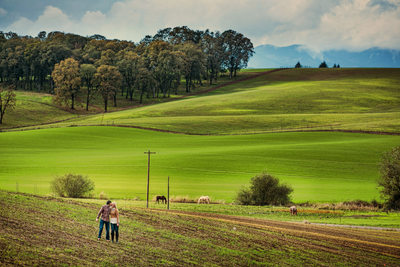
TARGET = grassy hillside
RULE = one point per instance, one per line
(33, 109)
(320, 166)
(36, 109)
(46, 231)
(295, 99)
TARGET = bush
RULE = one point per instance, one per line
(72, 185)
(264, 190)
(103, 196)
(390, 179)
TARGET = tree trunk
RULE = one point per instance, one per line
(141, 96)
(87, 100)
(72, 101)
(115, 99)
(105, 104)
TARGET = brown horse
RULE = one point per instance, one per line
(162, 198)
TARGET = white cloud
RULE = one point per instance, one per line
(320, 25)
(3, 12)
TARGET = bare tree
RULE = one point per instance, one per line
(7, 100)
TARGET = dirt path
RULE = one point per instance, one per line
(357, 226)
(378, 241)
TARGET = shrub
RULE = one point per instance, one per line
(264, 190)
(72, 185)
(103, 195)
(390, 178)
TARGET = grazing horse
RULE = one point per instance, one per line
(293, 210)
(204, 200)
(162, 198)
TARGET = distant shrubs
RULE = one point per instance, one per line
(72, 185)
(265, 189)
(182, 199)
(323, 65)
(354, 205)
(298, 65)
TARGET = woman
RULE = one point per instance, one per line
(114, 220)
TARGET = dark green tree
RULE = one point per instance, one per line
(390, 178)
(298, 65)
(323, 65)
(265, 189)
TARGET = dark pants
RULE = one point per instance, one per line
(102, 223)
(114, 228)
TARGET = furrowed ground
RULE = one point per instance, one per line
(47, 231)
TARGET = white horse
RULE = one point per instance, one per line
(293, 210)
(204, 200)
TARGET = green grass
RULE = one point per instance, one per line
(33, 109)
(288, 100)
(321, 167)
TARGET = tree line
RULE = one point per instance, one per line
(69, 64)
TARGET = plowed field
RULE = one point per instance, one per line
(47, 231)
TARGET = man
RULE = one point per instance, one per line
(105, 220)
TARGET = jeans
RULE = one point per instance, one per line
(114, 228)
(102, 223)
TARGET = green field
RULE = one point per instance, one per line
(321, 167)
(287, 100)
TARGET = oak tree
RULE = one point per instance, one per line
(67, 81)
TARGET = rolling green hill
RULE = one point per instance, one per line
(287, 100)
(321, 167)
(34, 109)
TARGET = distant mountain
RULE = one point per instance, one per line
(287, 56)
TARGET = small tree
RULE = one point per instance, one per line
(390, 178)
(72, 185)
(323, 65)
(109, 80)
(7, 101)
(265, 189)
(67, 81)
(334, 66)
(298, 65)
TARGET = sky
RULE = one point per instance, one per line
(319, 25)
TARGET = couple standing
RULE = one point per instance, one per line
(109, 214)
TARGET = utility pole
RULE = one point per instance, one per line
(168, 195)
(148, 174)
